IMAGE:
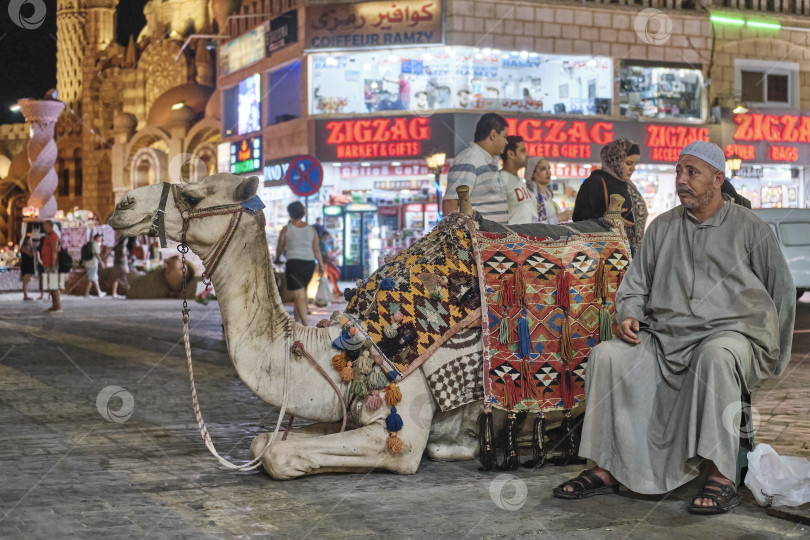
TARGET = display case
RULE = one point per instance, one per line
(659, 91)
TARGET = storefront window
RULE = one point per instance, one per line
(657, 91)
(425, 79)
(284, 88)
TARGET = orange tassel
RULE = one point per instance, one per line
(347, 373)
(393, 395)
(528, 386)
(520, 288)
(511, 392)
(339, 361)
(394, 443)
(506, 296)
(564, 289)
(566, 346)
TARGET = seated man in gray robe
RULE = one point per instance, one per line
(705, 313)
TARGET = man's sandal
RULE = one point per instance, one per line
(587, 484)
(725, 498)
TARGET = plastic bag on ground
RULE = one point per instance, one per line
(777, 480)
(324, 295)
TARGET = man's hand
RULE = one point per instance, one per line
(628, 331)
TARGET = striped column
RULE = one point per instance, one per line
(42, 115)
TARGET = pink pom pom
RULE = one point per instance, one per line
(374, 401)
(398, 316)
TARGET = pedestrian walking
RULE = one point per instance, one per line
(27, 265)
(92, 266)
(120, 267)
(50, 261)
(477, 167)
(301, 244)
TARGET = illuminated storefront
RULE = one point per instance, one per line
(440, 78)
(775, 151)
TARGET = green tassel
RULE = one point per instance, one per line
(358, 388)
(503, 333)
(605, 325)
(376, 380)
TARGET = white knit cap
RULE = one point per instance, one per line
(708, 152)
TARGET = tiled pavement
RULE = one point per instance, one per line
(66, 472)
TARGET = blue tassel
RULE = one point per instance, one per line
(392, 375)
(524, 337)
(387, 284)
(393, 422)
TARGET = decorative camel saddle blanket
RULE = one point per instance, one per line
(535, 339)
(546, 303)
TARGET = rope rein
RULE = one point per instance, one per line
(297, 348)
(288, 331)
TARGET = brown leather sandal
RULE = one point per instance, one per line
(587, 484)
(725, 498)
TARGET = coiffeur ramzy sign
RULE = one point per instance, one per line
(374, 24)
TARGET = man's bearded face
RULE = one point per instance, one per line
(695, 182)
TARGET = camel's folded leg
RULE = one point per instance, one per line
(362, 449)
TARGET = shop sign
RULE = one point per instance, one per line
(555, 138)
(772, 127)
(275, 171)
(397, 185)
(746, 152)
(569, 170)
(665, 142)
(333, 210)
(243, 51)
(383, 138)
(746, 171)
(388, 210)
(374, 24)
(283, 31)
(246, 155)
(386, 170)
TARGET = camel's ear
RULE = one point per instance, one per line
(246, 189)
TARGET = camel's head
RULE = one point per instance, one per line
(134, 212)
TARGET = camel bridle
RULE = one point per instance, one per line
(296, 348)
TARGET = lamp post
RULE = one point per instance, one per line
(435, 162)
(733, 164)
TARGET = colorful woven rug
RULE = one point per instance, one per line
(417, 301)
(546, 303)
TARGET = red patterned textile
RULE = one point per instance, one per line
(552, 294)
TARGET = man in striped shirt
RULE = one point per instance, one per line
(477, 167)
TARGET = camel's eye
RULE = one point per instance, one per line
(192, 200)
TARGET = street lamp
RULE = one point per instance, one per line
(733, 164)
(435, 162)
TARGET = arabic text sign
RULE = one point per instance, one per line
(374, 24)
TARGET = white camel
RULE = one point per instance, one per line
(256, 323)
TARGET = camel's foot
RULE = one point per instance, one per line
(452, 452)
(282, 461)
(313, 430)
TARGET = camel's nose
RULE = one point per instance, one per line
(125, 202)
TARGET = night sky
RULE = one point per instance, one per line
(28, 57)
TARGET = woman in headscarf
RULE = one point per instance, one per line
(619, 160)
(547, 209)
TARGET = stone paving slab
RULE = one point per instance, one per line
(69, 473)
